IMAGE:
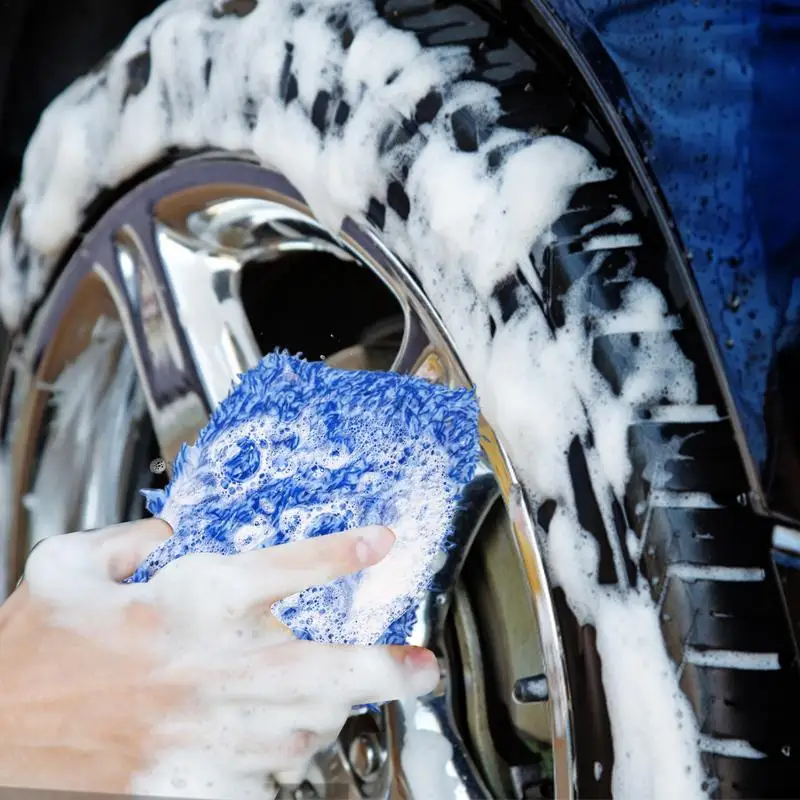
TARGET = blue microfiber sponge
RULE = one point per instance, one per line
(299, 449)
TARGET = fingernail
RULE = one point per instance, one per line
(425, 672)
(373, 544)
(420, 658)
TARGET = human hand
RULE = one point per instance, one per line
(186, 685)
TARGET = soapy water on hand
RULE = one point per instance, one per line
(246, 699)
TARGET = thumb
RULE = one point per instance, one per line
(124, 547)
(60, 565)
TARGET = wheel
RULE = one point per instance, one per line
(243, 175)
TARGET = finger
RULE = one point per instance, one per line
(295, 566)
(205, 589)
(272, 737)
(124, 547)
(292, 778)
(332, 676)
(105, 554)
(377, 674)
(206, 597)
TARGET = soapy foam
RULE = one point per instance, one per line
(730, 748)
(662, 498)
(707, 572)
(732, 659)
(261, 702)
(427, 762)
(466, 230)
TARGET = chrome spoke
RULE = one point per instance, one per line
(414, 349)
(128, 263)
(124, 408)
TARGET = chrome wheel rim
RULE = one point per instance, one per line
(159, 276)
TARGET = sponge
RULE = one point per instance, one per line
(299, 449)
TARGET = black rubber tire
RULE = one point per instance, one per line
(761, 707)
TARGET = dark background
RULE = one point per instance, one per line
(44, 46)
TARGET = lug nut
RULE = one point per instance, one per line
(364, 755)
(305, 791)
(531, 690)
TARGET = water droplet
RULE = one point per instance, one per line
(158, 465)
